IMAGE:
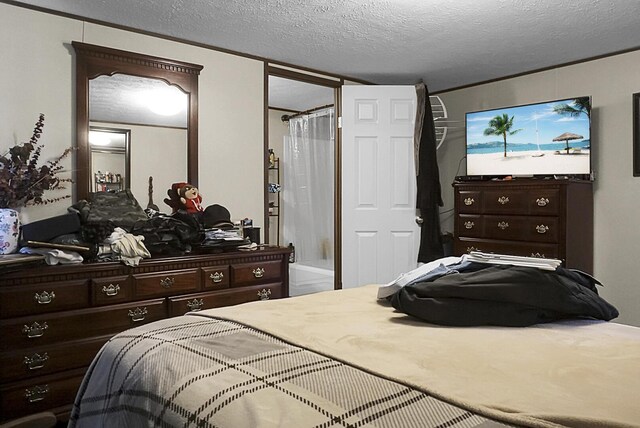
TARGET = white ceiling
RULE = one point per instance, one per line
(447, 44)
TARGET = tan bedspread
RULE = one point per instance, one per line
(573, 373)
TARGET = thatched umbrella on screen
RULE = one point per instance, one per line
(566, 137)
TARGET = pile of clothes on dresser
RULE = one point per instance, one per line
(112, 226)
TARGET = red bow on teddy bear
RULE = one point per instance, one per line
(184, 196)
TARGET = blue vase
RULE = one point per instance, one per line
(9, 230)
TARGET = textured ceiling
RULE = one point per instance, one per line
(445, 43)
(299, 96)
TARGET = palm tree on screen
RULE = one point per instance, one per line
(575, 109)
(501, 126)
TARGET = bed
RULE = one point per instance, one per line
(342, 358)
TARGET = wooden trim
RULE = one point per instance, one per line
(93, 61)
(265, 156)
(337, 194)
(289, 74)
(636, 134)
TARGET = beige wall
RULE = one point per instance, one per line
(37, 76)
(610, 82)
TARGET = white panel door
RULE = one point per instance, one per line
(380, 237)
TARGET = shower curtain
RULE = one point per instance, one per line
(308, 190)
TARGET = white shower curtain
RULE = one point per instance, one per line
(308, 189)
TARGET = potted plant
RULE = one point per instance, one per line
(23, 182)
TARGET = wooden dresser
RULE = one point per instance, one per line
(54, 319)
(526, 217)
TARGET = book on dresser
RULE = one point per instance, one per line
(545, 218)
(54, 319)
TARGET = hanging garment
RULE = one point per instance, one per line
(429, 197)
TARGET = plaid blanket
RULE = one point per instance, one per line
(210, 372)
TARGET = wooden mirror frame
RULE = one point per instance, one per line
(93, 61)
(636, 134)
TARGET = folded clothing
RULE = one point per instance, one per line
(505, 295)
(54, 256)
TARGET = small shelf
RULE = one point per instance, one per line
(273, 204)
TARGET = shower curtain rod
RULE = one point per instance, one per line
(286, 117)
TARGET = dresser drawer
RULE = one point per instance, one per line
(255, 273)
(107, 291)
(36, 395)
(166, 283)
(469, 201)
(470, 225)
(505, 201)
(543, 229)
(25, 364)
(515, 228)
(197, 302)
(466, 245)
(544, 201)
(35, 331)
(42, 298)
(215, 278)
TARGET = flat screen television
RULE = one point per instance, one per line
(551, 138)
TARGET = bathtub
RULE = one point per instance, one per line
(305, 279)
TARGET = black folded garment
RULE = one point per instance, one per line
(47, 229)
(504, 295)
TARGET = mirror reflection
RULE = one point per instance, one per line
(145, 121)
(109, 148)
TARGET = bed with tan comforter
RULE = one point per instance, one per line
(341, 358)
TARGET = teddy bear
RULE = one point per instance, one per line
(184, 196)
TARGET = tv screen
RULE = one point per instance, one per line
(551, 138)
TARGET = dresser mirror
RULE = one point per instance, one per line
(150, 106)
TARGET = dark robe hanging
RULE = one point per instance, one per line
(429, 197)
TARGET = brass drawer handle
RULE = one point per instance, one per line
(469, 201)
(542, 202)
(503, 225)
(36, 330)
(216, 277)
(37, 393)
(36, 361)
(264, 294)
(468, 224)
(258, 272)
(167, 282)
(541, 228)
(195, 305)
(542, 256)
(502, 200)
(111, 290)
(45, 298)
(137, 314)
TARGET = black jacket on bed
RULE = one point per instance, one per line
(503, 295)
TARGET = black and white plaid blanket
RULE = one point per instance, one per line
(210, 372)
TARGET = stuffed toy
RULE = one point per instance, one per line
(184, 196)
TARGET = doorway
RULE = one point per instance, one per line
(301, 175)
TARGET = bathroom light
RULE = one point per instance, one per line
(97, 138)
(166, 101)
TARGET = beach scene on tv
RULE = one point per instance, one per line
(550, 138)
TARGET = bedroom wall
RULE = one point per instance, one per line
(37, 75)
(610, 81)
